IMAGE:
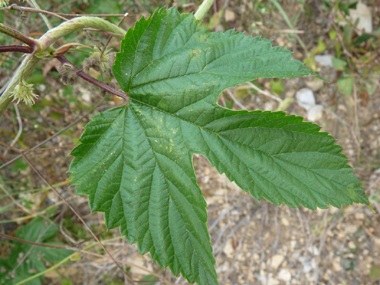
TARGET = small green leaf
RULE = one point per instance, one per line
(321, 47)
(332, 34)
(363, 38)
(150, 278)
(375, 272)
(135, 161)
(338, 64)
(241, 91)
(345, 85)
(277, 86)
(37, 230)
(19, 165)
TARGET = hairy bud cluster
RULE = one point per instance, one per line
(24, 92)
(67, 74)
(100, 62)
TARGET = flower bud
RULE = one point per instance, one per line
(24, 92)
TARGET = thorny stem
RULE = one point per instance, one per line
(15, 48)
(92, 80)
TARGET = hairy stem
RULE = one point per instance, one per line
(78, 23)
(15, 48)
(44, 43)
(92, 80)
(203, 9)
(17, 35)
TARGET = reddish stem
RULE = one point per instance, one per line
(15, 48)
(17, 35)
(92, 80)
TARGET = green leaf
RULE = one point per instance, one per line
(338, 64)
(37, 231)
(375, 272)
(135, 161)
(277, 86)
(363, 38)
(345, 85)
(150, 278)
(332, 35)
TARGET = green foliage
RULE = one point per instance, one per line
(150, 278)
(14, 269)
(345, 85)
(19, 165)
(375, 272)
(338, 64)
(277, 86)
(135, 161)
(363, 38)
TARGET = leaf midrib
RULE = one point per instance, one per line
(215, 133)
(179, 51)
(167, 186)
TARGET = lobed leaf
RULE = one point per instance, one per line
(135, 161)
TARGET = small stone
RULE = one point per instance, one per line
(285, 222)
(313, 250)
(140, 261)
(351, 245)
(276, 261)
(272, 281)
(363, 13)
(336, 265)
(315, 85)
(206, 179)
(268, 106)
(351, 229)
(284, 275)
(326, 276)
(298, 55)
(228, 249)
(229, 15)
(280, 41)
(305, 98)
(360, 216)
(315, 113)
(223, 268)
(290, 93)
(324, 60)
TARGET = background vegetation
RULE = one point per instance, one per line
(254, 242)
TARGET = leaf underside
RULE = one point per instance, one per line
(135, 161)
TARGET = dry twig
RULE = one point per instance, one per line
(68, 204)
